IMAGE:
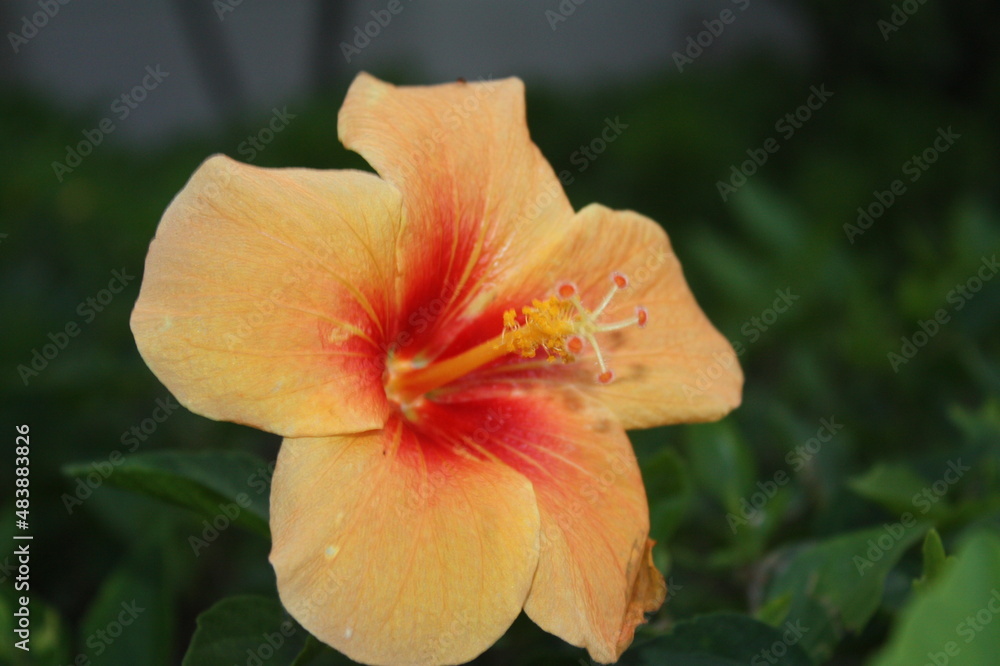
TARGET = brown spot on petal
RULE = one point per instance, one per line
(572, 401)
(602, 426)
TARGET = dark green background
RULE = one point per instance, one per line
(827, 357)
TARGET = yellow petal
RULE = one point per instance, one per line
(595, 579)
(266, 297)
(478, 194)
(678, 368)
(396, 549)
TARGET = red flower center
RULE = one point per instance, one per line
(558, 325)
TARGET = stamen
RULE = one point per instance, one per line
(558, 325)
(561, 324)
(597, 353)
(620, 282)
(566, 290)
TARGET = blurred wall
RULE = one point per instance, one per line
(224, 57)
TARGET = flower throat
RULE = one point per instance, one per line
(561, 326)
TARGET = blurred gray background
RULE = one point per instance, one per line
(231, 57)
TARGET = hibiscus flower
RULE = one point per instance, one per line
(452, 355)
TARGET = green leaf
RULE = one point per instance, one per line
(954, 620)
(836, 585)
(891, 486)
(980, 428)
(721, 462)
(769, 218)
(726, 639)
(224, 486)
(317, 653)
(48, 643)
(130, 621)
(733, 270)
(668, 486)
(775, 610)
(934, 559)
(311, 651)
(242, 629)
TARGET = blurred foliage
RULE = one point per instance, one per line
(805, 508)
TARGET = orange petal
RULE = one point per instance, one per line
(396, 549)
(595, 579)
(478, 194)
(266, 296)
(676, 369)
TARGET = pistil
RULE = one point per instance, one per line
(559, 326)
(407, 383)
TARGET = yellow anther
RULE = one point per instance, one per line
(560, 324)
(547, 324)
